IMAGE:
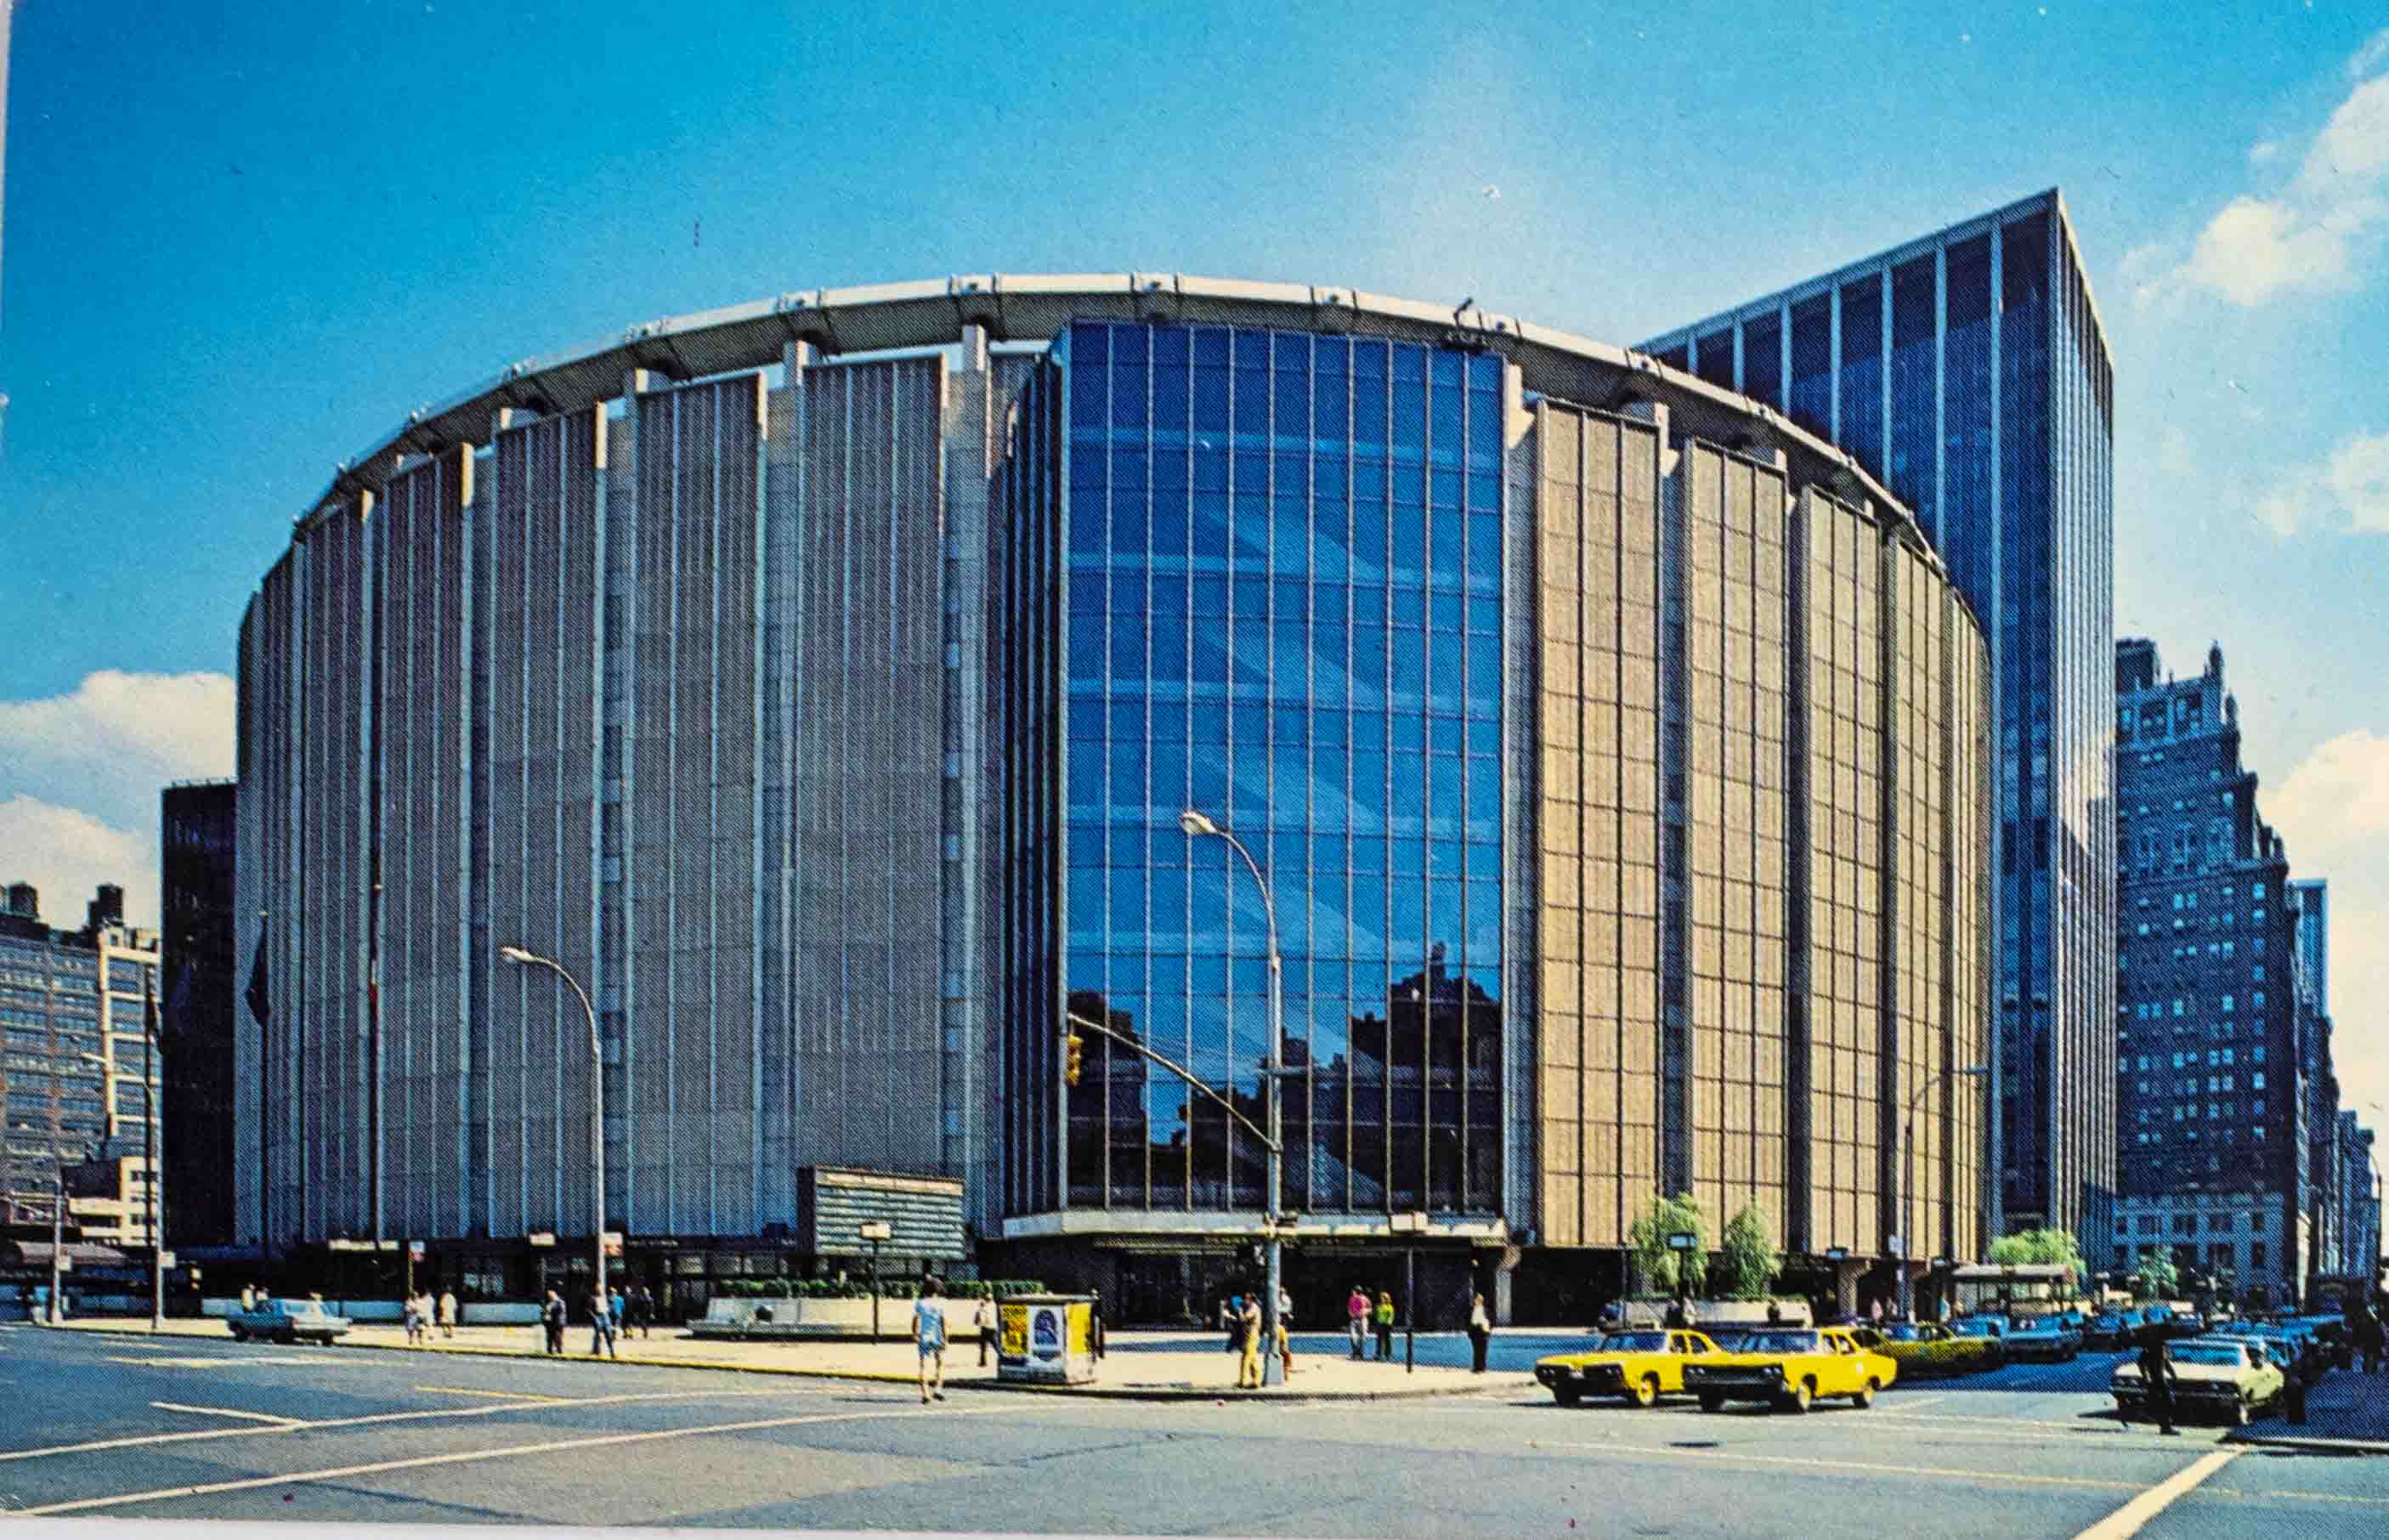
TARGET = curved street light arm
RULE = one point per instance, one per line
(1174, 1068)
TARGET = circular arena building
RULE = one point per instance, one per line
(820, 683)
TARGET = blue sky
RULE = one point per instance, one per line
(241, 246)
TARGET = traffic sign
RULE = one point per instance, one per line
(165, 1259)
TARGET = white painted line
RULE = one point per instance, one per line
(468, 1456)
(228, 1411)
(1905, 1404)
(1735, 1457)
(540, 1404)
(501, 1396)
(2128, 1519)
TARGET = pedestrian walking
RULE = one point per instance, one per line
(1384, 1313)
(414, 1323)
(1095, 1323)
(1232, 1318)
(2156, 1373)
(1356, 1309)
(601, 1324)
(448, 1313)
(1284, 1327)
(983, 1327)
(551, 1315)
(1249, 1344)
(248, 1297)
(1480, 1332)
(929, 1341)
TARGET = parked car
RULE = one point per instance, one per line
(2108, 1328)
(1637, 1366)
(2043, 1337)
(2210, 1377)
(1790, 1367)
(1923, 1349)
(284, 1320)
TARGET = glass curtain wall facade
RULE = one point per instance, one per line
(1282, 606)
(1969, 369)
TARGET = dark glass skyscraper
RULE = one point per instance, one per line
(1969, 369)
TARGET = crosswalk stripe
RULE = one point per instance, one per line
(228, 1411)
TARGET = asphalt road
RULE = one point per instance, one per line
(118, 1427)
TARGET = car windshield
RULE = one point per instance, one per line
(1730, 1340)
(1904, 1334)
(1635, 1342)
(1973, 1328)
(2198, 1352)
(1780, 1341)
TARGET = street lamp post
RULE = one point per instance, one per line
(1409, 1225)
(874, 1232)
(1907, 1180)
(1196, 824)
(150, 1133)
(57, 1237)
(521, 957)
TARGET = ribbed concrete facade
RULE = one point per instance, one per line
(756, 670)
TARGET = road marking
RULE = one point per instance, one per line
(192, 1435)
(1804, 1463)
(502, 1395)
(1907, 1405)
(2293, 1497)
(228, 1411)
(468, 1456)
(2128, 1519)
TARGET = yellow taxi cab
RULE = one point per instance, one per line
(1639, 1366)
(1788, 1368)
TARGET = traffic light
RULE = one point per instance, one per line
(1071, 1044)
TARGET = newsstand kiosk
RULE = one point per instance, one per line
(1046, 1338)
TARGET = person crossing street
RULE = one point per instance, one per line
(930, 1340)
(2156, 1373)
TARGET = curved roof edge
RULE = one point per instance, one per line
(1035, 307)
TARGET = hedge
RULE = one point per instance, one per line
(893, 1287)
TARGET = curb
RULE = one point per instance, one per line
(2348, 1447)
(1092, 1392)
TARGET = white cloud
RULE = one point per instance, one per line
(2264, 150)
(2333, 810)
(81, 776)
(67, 854)
(2318, 233)
(2374, 54)
(2348, 491)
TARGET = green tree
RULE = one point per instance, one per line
(1746, 1259)
(1656, 1260)
(2045, 1247)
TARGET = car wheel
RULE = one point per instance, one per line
(1801, 1395)
(1865, 1395)
(1566, 1395)
(1711, 1401)
(2240, 1412)
(1646, 1392)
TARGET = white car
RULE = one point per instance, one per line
(282, 1320)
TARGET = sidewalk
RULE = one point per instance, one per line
(1155, 1366)
(2346, 1413)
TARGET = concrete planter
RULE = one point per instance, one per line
(737, 1319)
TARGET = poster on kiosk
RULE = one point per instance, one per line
(1046, 1337)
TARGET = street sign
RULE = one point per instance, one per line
(613, 1245)
(1683, 1241)
(165, 1259)
(415, 1249)
(541, 1237)
(875, 1229)
(1898, 1244)
(1836, 1254)
(65, 1263)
